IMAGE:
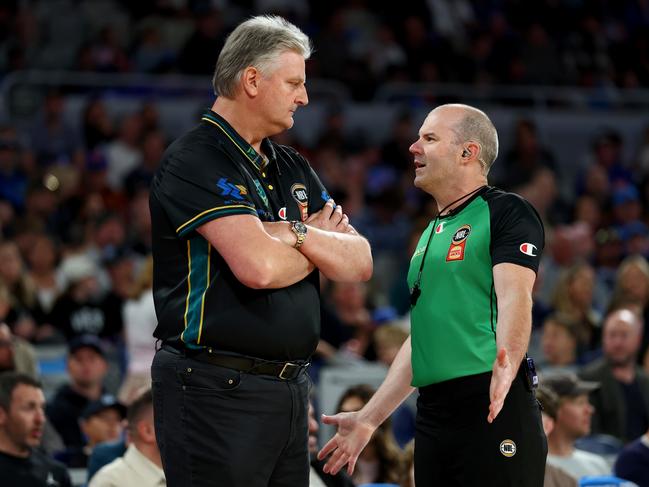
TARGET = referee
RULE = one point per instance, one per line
(241, 227)
(471, 279)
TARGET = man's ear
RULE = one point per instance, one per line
(250, 81)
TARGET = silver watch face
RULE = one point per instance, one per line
(299, 227)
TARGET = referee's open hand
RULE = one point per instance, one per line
(344, 448)
(502, 376)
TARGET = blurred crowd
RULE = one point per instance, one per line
(75, 266)
(578, 42)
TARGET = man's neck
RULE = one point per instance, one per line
(151, 452)
(237, 116)
(560, 445)
(454, 195)
(92, 392)
(624, 373)
(10, 448)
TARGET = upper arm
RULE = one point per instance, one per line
(196, 187)
(517, 232)
(513, 281)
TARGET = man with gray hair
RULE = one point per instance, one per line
(471, 279)
(241, 228)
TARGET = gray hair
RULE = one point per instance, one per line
(256, 42)
(475, 126)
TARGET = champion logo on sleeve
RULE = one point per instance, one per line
(528, 249)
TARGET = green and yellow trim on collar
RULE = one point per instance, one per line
(244, 147)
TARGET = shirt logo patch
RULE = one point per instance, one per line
(458, 244)
(508, 448)
(298, 191)
(261, 192)
(528, 249)
(325, 196)
(235, 191)
(461, 234)
(440, 227)
(282, 213)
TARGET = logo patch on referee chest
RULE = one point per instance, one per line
(298, 191)
(458, 244)
(508, 448)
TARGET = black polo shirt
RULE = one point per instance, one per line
(211, 172)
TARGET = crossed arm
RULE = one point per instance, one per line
(261, 255)
(513, 285)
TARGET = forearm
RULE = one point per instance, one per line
(339, 256)
(394, 390)
(514, 325)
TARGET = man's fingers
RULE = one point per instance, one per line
(351, 465)
(335, 419)
(340, 462)
(331, 445)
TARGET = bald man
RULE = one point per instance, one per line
(622, 401)
(471, 279)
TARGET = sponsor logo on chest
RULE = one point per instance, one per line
(458, 244)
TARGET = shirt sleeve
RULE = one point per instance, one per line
(194, 188)
(517, 234)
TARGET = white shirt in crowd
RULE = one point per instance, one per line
(131, 470)
(581, 463)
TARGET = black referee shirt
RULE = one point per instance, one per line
(208, 173)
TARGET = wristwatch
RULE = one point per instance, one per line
(299, 229)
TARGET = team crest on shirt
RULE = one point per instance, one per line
(458, 244)
(298, 191)
(508, 448)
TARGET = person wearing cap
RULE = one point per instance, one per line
(241, 229)
(622, 401)
(140, 466)
(572, 422)
(87, 368)
(22, 420)
(549, 401)
(101, 421)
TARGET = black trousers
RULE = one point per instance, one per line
(455, 446)
(220, 427)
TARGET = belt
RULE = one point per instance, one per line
(249, 365)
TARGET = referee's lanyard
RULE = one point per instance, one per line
(415, 292)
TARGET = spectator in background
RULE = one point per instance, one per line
(632, 291)
(622, 401)
(572, 422)
(87, 368)
(573, 298)
(22, 290)
(13, 178)
(153, 146)
(633, 461)
(526, 156)
(139, 322)
(80, 309)
(141, 465)
(53, 139)
(96, 124)
(100, 422)
(382, 460)
(124, 153)
(22, 419)
(16, 354)
(549, 401)
(42, 259)
(559, 344)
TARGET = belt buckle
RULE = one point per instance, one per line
(286, 365)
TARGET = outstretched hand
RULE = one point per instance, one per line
(344, 448)
(502, 376)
